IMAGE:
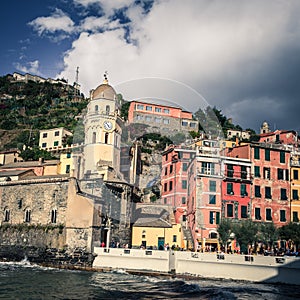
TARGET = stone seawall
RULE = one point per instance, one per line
(41, 244)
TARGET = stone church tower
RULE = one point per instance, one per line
(103, 130)
(265, 128)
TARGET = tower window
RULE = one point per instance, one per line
(6, 215)
(107, 109)
(106, 138)
(96, 108)
(94, 137)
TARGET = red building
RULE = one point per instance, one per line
(286, 137)
(236, 188)
(270, 194)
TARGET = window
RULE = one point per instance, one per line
(244, 211)
(171, 169)
(148, 118)
(256, 153)
(267, 173)
(44, 145)
(212, 186)
(27, 215)
(295, 216)
(211, 217)
(94, 138)
(184, 123)
(282, 157)
(6, 215)
(217, 217)
(45, 135)
(166, 121)
(140, 106)
(212, 199)
(184, 184)
(53, 215)
(55, 144)
(295, 195)
(257, 191)
(277, 138)
(282, 216)
(107, 109)
(166, 111)
(243, 172)
(96, 108)
(267, 154)
(193, 125)
(106, 138)
(230, 188)
(148, 108)
(268, 214)
(184, 167)
(295, 174)
(207, 168)
(56, 133)
(283, 195)
(183, 217)
(244, 190)
(230, 171)
(257, 213)
(20, 202)
(67, 169)
(268, 192)
(256, 171)
(174, 238)
(183, 200)
(229, 210)
(165, 187)
(157, 109)
(68, 155)
(139, 117)
(157, 120)
(170, 185)
(280, 174)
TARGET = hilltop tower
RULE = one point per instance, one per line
(265, 128)
(103, 130)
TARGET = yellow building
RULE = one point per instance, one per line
(53, 138)
(156, 228)
(65, 163)
(295, 188)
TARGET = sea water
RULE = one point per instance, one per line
(26, 281)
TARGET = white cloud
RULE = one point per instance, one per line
(96, 24)
(31, 67)
(58, 21)
(223, 49)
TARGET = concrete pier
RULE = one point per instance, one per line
(269, 269)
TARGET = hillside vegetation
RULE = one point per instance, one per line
(26, 107)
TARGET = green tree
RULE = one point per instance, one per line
(290, 233)
(224, 231)
(245, 233)
(124, 110)
(268, 233)
(35, 154)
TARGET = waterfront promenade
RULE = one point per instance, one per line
(256, 268)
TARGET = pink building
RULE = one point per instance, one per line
(204, 199)
(163, 117)
(287, 137)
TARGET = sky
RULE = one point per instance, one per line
(238, 55)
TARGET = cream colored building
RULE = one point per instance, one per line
(102, 125)
(65, 163)
(53, 138)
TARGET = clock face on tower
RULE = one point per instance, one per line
(107, 125)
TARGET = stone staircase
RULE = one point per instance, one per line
(187, 234)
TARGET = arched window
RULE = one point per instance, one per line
(53, 215)
(107, 109)
(213, 235)
(96, 108)
(106, 138)
(94, 137)
(27, 216)
(6, 215)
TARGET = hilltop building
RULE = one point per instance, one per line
(162, 118)
(54, 138)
